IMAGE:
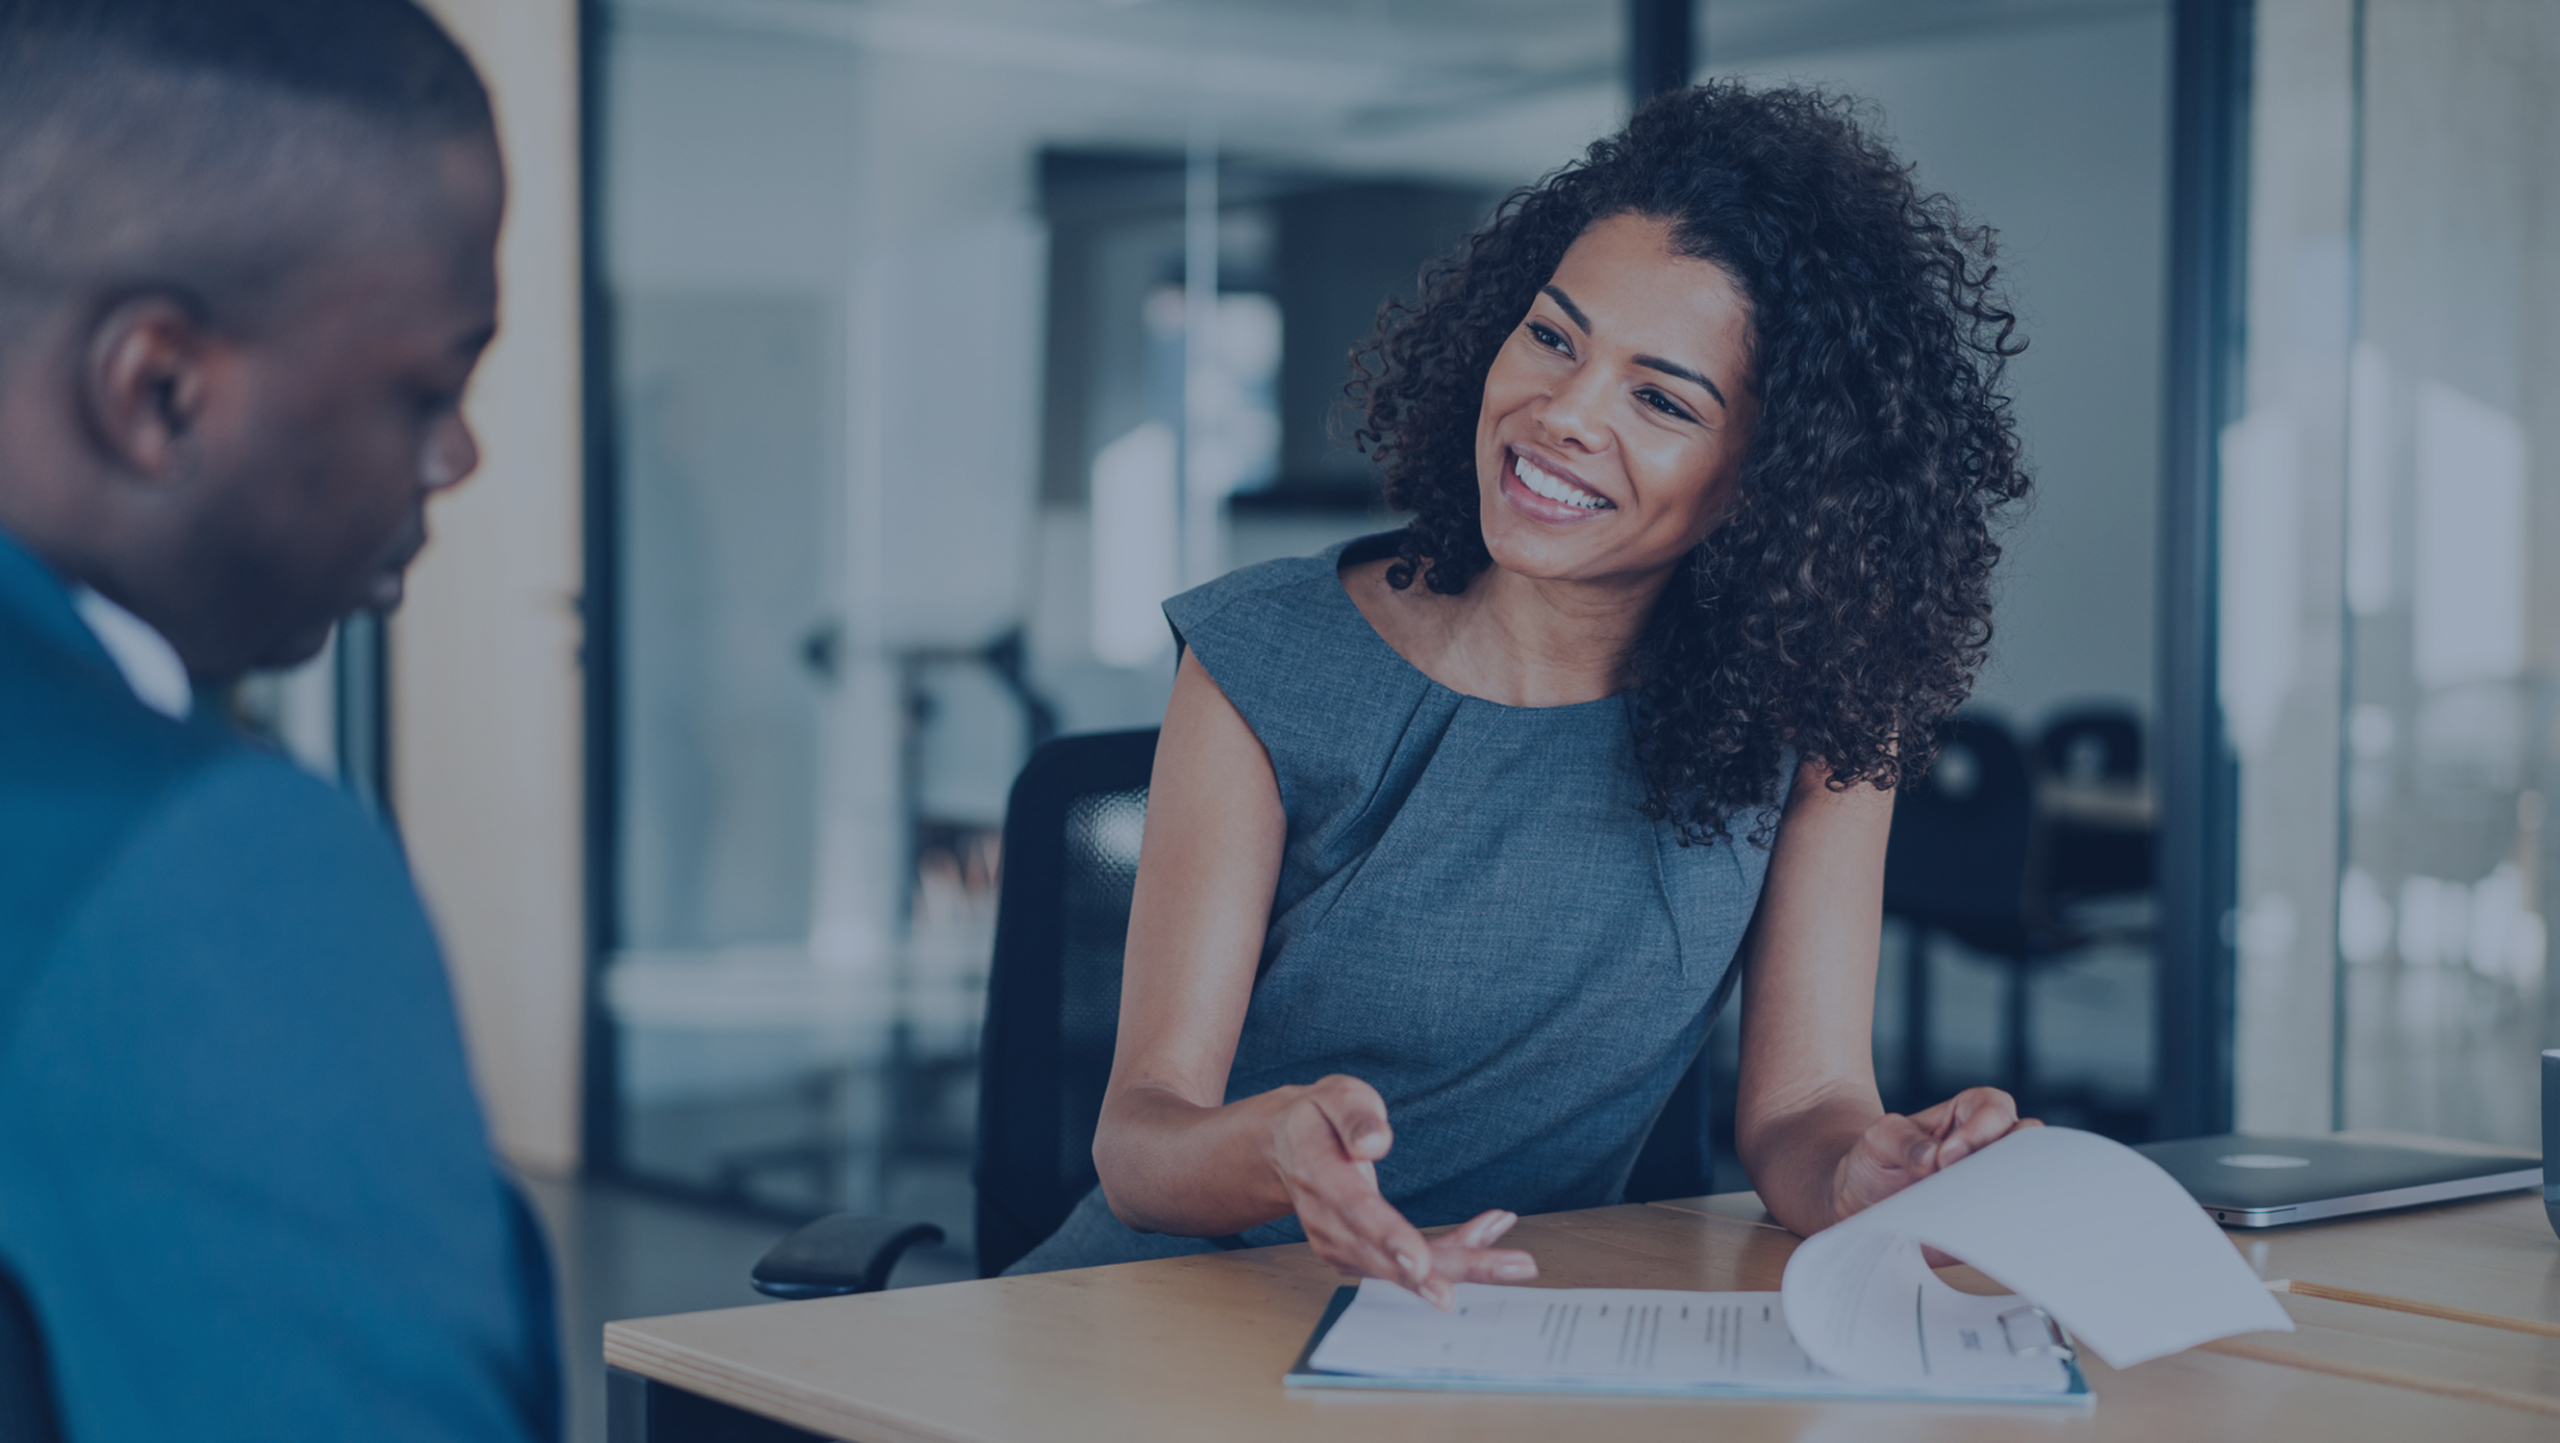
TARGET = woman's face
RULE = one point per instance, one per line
(1616, 416)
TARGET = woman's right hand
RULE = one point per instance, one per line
(1324, 1148)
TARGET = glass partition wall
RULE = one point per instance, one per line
(2389, 622)
(946, 339)
(2452, 600)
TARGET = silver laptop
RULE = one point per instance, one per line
(2264, 1182)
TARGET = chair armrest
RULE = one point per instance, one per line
(840, 1253)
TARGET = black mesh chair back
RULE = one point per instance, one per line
(2091, 744)
(1957, 861)
(1071, 838)
(1957, 856)
(1071, 834)
(2099, 745)
(26, 1380)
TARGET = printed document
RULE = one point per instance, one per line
(2092, 1238)
(1626, 1340)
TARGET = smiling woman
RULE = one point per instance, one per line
(1703, 437)
(1844, 606)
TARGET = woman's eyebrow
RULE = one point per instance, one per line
(1674, 368)
(1556, 294)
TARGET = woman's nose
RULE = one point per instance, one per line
(1570, 415)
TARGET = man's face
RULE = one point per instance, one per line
(340, 419)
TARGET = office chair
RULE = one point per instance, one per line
(2080, 861)
(1071, 836)
(2102, 742)
(26, 1380)
(1957, 862)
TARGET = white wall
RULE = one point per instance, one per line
(485, 684)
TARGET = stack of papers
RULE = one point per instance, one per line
(1628, 1340)
(2090, 1236)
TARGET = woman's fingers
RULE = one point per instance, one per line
(1977, 1117)
(1482, 1230)
(1372, 1239)
(1902, 1144)
(1895, 1151)
(1485, 1265)
(1362, 1234)
(1465, 1253)
(1331, 1170)
(1892, 1154)
(1358, 1116)
(1337, 1195)
(1335, 1141)
(1934, 1120)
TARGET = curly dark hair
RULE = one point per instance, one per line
(1843, 607)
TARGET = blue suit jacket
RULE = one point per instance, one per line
(243, 1178)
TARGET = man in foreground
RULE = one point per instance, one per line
(247, 265)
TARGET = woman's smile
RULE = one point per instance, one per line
(1544, 491)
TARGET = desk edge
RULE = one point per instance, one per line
(629, 1347)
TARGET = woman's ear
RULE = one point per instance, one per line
(144, 384)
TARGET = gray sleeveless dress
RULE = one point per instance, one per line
(1473, 915)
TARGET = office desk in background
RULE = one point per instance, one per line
(1194, 1348)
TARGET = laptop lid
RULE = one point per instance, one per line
(2257, 1182)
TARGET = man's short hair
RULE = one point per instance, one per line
(386, 58)
(206, 147)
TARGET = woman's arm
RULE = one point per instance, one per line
(1812, 1132)
(1174, 1157)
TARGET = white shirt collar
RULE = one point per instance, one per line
(149, 663)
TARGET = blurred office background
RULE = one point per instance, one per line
(873, 368)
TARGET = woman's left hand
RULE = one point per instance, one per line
(1896, 1151)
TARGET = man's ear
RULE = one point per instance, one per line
(144, 383)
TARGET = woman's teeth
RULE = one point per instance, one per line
(1553, 487)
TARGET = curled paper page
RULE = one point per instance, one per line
(2086, 1232)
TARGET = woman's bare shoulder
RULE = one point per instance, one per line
(1819, 814)
(1413, 620)
(1367, 580)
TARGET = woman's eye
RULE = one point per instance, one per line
(1546, 335)
(1662, 403)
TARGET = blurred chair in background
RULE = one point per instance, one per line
(2094, 810)
(2004, 859)
(1071, 836)
(1956, 862)
(2100, 744)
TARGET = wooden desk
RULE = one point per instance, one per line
(1194, 1348)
